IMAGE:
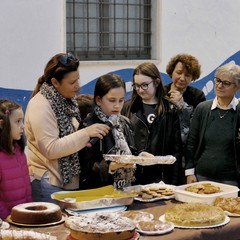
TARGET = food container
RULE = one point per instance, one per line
(93, 198)
(185, 196)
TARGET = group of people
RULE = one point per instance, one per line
(67, 136)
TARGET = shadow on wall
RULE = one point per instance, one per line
(206, 84)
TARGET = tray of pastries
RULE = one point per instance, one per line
(204, 192)
(140, 160)
(97, 198)
(152, 192)
(231, 206)
(154, 227)
(195, 215)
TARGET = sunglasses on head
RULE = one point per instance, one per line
(67, 59)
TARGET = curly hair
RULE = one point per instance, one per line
(189, 62)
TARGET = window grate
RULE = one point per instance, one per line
(109, 29)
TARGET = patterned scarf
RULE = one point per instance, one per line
(65, 110)
(123, 177)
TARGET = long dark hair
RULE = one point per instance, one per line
(107, 82)
(149, 69)
(6, 143)
(57, 67)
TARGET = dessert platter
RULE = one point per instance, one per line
(152, 192)
(104, 226)
(195, 215)
(103, 197)
(137, 216)
(140, 160)
(204, 192)
(154, 227)
(231, 206)
(36, 214)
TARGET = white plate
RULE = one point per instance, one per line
(232, 214)
(226, 220)
(160, 232)
(138, 188)
(96, 210)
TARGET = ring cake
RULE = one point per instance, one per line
(36, 213)
(194, 215)
(104, 226)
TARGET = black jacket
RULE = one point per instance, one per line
(94, 170)
(161, 139)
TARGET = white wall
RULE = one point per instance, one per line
(33, 30)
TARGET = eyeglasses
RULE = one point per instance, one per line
(143, 86)
(225, 84)
(68, 59)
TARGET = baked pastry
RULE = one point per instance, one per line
(153, 226)
(137, 216)
(26, 235)
(194, 214)
(36, 213)
(203, 188)
(232, 205)
(104, 226)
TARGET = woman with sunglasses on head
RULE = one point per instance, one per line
(156, 125)
(51, 124)
(212, 150)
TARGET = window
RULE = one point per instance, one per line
(109, 29)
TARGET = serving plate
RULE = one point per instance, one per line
(35, 225)
(226, 221)
(137, 189)
(140, 160)
(168, 228)
(103, 197)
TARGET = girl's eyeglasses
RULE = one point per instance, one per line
(143, 86)
(68, 59)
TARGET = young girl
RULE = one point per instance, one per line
(109, 97)
(15, 187)
(156, 125)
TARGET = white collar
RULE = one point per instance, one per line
(233, 104)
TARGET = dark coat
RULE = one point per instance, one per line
(94, 170)
(161, 139)
(195, 143)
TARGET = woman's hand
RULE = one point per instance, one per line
(176, 98)
(191, 179)
(97, 130)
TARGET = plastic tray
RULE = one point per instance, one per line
(185, 196)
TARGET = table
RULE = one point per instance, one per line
(231, 231)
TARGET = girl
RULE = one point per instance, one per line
(15, 187)
(156, 125)
(109, 97)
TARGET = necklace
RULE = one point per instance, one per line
(222, 116)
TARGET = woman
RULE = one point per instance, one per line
(51, 123)
(184, 69)
(156, 125)
(109, 97)
(213, 144)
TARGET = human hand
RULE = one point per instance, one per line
(191, 179)
(97, 130)
(176, 98)
(146, 154)
(114, 166)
